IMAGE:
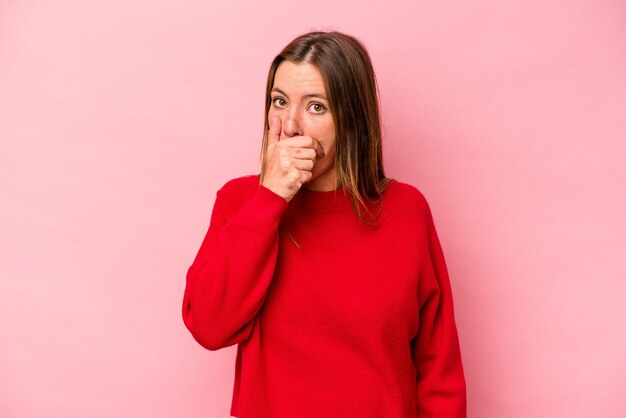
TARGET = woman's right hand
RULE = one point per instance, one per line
(289, 162)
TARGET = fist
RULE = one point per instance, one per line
(289, 162)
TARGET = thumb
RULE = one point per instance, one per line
(273, 135)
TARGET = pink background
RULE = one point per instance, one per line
(121, 119)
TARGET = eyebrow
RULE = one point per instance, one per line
(306, 96)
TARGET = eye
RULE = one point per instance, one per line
(277, 98)
(320, 107)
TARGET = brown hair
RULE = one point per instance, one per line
(352, 93)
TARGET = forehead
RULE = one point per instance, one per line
(305, 78)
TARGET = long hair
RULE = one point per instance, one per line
(353, 98)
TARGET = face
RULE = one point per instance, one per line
(299, 99)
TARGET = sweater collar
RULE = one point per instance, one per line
(309, 199)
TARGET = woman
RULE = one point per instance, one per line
(328, 276)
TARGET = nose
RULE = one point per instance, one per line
(291, 124)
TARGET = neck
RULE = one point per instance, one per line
(324, 183)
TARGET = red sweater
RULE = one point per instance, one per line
(331, 317)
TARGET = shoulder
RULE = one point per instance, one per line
(239, 184)
(407, 196)
(238, 190)
(408, 206)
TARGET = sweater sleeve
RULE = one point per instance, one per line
(227, 282)
(441, 387)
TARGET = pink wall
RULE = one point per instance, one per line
(119, 120)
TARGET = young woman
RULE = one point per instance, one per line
(328, 276)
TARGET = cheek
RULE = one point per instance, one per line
(324, 130)
(330, 150)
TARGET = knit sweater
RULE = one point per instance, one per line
(331, 317)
